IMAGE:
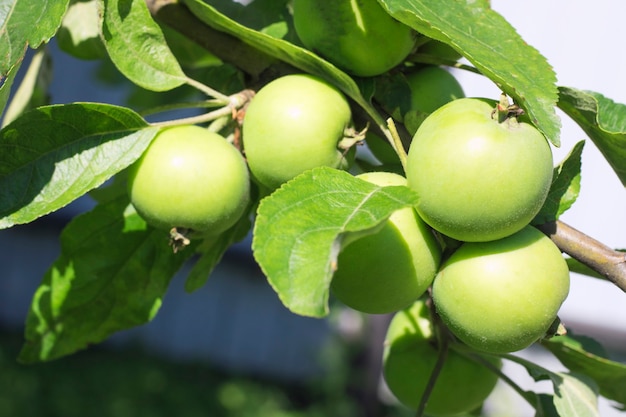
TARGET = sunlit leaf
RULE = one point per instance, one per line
(137, 46)
(112, 274)
(603, 120)
(299, 230)
(494, 47)
(52, 155)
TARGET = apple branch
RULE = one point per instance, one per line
(609, 263)
(224, 46)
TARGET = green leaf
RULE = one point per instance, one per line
(494, 47)
(211, 252)
(298, 57)
(574, 394)
(299, 230)
(578, 355)
(603, 120)
(26, 23)
(79, 34)
(112, 274)
(33, 90)
(578, 267)
(6, 83)
(565, 187)
(137, 46)
(52, 155)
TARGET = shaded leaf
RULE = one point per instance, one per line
(112, 274)
(565, 187)
(25, 23)
(79, 34)
(33, 90)
(137, 46)
(494, 47)
(603, 120)
(299, 230)
(52, 155)
(211, 252)
(576, 354)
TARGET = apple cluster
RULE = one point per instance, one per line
(463, 267)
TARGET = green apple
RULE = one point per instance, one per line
(502, 296)
(388, 270)
(431, 87)
(478, 179)
(358, 36)
(410, 354)
(293, 124)
(190, 178)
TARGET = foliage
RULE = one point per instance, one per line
(114, 268)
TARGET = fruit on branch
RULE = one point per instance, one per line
(502, 296)
(358, 36)
(293, 124)
(438, 49)
(431, 87)
(388, 270)
(411, 352)
(478, 178)
(190, 178)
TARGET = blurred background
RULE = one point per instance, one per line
(232, 349)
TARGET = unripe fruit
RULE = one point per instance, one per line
(388, 270)
(190, 178)
(409, 359)
(358, 36)
(478, 179)
(294, 124)
(431, 88)
(503, 295)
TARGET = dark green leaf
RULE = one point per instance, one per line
(52, 155)
(580, 268)
(565, 187)
(603, 120)
(544, 405)
(137, 46)
(211, 252)
(494, 47)
(576, 354)
(6, 83)
(26, 23)
(299, 230)
(112, 274)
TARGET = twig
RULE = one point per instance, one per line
(434, 375)
(609, 263)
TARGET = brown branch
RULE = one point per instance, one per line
(226, 47)
(609, 263)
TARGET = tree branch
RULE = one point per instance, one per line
(226, 47)
(609, 263)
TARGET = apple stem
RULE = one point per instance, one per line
(609, 263)
(235, 102)
(505, 111)
(432, 380)
(396, 142)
